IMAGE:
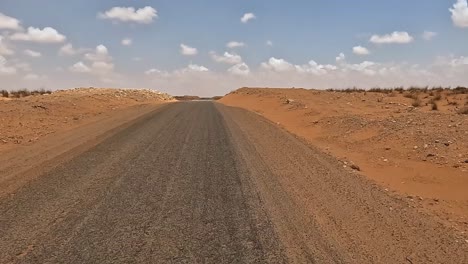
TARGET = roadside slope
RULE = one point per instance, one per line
(39, 132)
(416, 152)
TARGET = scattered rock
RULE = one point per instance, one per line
(355, 167)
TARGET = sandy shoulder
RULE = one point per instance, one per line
(414, 151)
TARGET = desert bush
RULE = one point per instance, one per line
(4, 93)
(463, 111)
(411, 96)
(25, 92)
(20, 93)
(460, 90)
(380, 90)
(399, 89)
(416, 102)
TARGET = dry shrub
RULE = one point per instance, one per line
(416, 102)
(5, 93)
(463, 111)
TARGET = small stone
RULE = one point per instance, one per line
(355, 167)
(385, 160)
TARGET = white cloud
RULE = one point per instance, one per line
(360, 50)
(196, 68)
(235, 44)
(7, 22)
(460, 13)
(34, 77)
(32, 53)
(187, 50)
(428, 35)
(46, 35)
(101, 54)
(278, 65)
(6, 69)
(143, 15)
(227, 57)
(269, 43)
(68, 50)
(364, 67)
(315, 68)
(152, 71)
(4, 48)
(102, 67)
(240, 69)
(460, 61)
(156, 72)
(397, 37)
(246, 17)
(341, 58)
(80, 67)
(127, 42)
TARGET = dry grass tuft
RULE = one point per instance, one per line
(416, 102)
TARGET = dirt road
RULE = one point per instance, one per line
(199, 182)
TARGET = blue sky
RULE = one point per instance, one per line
(294, 43)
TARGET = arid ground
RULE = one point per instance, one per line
(416, 151)
(260, 176)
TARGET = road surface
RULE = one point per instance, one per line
(199, 182)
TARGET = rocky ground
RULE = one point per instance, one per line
(28, 119)
(399, 139)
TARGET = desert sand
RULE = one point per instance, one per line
(415, 151)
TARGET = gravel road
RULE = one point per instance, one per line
(199, 182)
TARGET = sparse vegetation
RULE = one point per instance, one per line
(24, 93)
(416, 102)
(463, 111)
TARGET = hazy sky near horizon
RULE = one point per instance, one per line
(210, 47)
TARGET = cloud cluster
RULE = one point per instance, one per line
(460, 13)
(127, 42)
(187, 50)
(429, 35)
(360, 50)
(397, 37)
(235, 44)
(7, 22)
(4, 48)
(247, 17)
(46, 35)
(5, 68)
(143, 15)
(229, 58)
(32, 53)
